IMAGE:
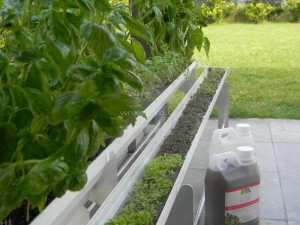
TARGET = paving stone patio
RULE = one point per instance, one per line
(277, 143)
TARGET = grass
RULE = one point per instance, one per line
(264, 61)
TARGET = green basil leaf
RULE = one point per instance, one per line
(78, 177)
(103, 5)
(112, 69)
(3, 63)
(158, 14)
(7, 177)
(86, 5)
(39, 102)
(135, 27)
(29, 55)
(60, 108)
(197, 36)
(10, 200)
(115, 18)
(59, 55)
(206, 46)
(139, 51)
(42, 174)
(98, 37)
(83, 140)
(35, 79)
(61, 32)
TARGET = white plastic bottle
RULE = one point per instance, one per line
(243, 130)
(232, 188)
(228, 139)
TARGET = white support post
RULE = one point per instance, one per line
(189, 82)
(223, 106)
(107, 182)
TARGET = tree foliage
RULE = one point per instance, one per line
(174, 23)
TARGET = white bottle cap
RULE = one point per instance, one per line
(243, 129)
(245, 154)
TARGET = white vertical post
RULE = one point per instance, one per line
(223, 106)
(107, 182)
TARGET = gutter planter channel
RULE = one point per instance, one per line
(175, 211)
(76, 208)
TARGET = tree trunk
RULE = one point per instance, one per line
(145, 45)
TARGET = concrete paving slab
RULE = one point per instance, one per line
(265, 156)
(288, 157)
(271, 205)
(200, 157)
(260, 128)
(277, 143)
(272, 222)
(293, 223)
(211, 125)
(285, 130)
(290, 184)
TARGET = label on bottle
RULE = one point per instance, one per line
(242, 204)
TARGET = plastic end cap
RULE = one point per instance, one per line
(245, 154)
(243, 129)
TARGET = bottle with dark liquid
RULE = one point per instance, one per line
(232, 188)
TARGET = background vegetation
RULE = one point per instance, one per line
(256, 11)
(264, 61)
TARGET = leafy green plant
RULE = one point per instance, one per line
(158, 72)
(174, 23)
(232, 219)
(147, 194)
(62, 65)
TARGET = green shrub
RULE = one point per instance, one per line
(278, 15)
(293, 10)
(253, 12)
(218, 11)
(290, 12)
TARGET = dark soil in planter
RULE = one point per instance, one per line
(181, 137)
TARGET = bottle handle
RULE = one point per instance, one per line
(225, 134)
(222, 160)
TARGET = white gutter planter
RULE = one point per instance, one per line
(178, 208)
(72, 208)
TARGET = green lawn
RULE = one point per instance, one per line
(264, 61)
